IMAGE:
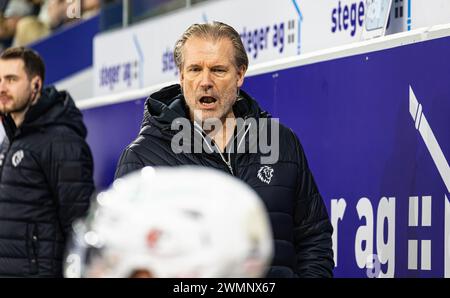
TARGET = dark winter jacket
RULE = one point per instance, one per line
(45, 183)
(300, 223)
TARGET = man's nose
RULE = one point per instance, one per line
(206, 82)
(2, 87)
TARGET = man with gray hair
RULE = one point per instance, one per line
(207, 120)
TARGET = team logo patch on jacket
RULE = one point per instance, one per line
(265, 174)
(17, 158)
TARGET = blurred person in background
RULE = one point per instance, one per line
(90, 8)
(58, 16)
(45, 168)
(14, 11)
(55, 15)
(212, 63)
(145, 225)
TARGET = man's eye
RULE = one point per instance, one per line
(194, 69)
(219, 70)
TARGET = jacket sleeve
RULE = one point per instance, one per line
(69, 168)
(313, 230)
(128, 162)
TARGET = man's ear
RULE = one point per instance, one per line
(36, 84)
(181, 76)
(241, 74)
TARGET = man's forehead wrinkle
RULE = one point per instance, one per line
(213, 57)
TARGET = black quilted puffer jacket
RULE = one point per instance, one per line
(45, 183)
(299, 219)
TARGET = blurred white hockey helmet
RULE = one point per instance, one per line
(173, 222)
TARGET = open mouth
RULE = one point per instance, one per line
(207, 100)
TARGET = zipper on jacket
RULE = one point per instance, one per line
(200, 130)
(3, 154)
(239, 144)
(227, 162)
